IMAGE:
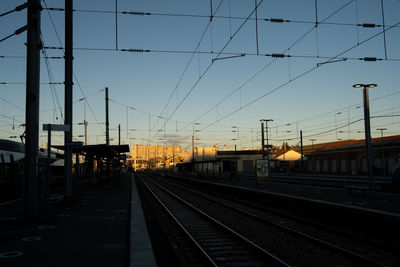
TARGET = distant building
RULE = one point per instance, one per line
(155, 157)
(349, 156)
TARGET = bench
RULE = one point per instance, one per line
(361, 188)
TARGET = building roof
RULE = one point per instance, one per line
(352, 144)
(239, 152)
(290, 155)
(99, 150)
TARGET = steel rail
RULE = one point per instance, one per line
(258, 249)
(315, 240)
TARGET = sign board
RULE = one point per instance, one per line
(57, 127)
(262, 168)
(75, 144)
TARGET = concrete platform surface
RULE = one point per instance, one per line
(92, 229)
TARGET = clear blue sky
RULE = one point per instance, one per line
(322, 102)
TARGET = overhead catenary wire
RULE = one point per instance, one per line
(16, 9)
(222, 53)
(268, 65)
(74, 75)
(270, 20)
(51, 79)
(233, 54)
(188, 64)
(298, 76)
(212, 62)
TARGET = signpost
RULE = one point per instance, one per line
(262, 169)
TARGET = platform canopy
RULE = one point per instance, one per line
(98, 150)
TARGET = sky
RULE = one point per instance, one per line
(214, 79)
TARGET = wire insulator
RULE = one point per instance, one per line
(135, 13)
(368, 25)
(21, 30)
(136, 50)
(276, 20)
(369, 59)
(278, 55)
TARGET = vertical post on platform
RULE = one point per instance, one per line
(368, 135)
(68, 98)
(32, 110)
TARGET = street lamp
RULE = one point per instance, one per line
(367, 129)
(383, 152)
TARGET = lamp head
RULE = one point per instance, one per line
(359, 85)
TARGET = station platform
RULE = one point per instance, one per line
(99, 227)
(380, 201)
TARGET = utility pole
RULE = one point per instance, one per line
(262, 139)
(68, 98)
(85, 123)
(34, 45)
(367, 130)
(192, 147)
(107, 137)
(107, 121)
(119, 134)
(301, 150)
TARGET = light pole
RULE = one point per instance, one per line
(383, 152)
(367, 129)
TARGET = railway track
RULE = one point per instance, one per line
(218, 244)
(349, 251)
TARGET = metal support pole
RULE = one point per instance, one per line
(30, 191)
(68, 98)
(368, 136)
(85, 123)
(119, 134)
(107, 120)
(192, 147)
(301, 150)
(107, 136)
(262, 139)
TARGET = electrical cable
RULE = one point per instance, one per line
(76, 79)
(187, 65)
(299, 76)
(267, 65)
